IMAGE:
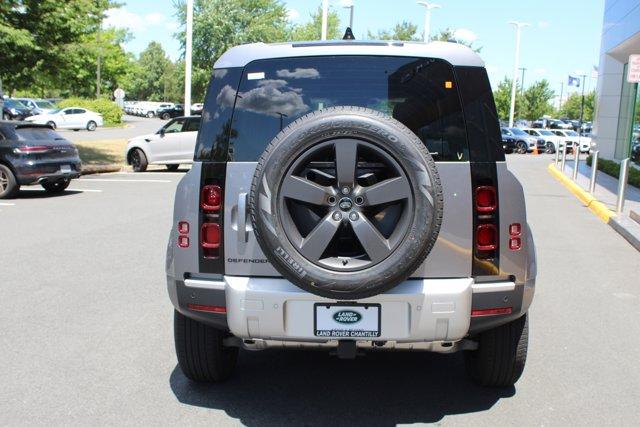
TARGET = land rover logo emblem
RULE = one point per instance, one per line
(347, 316)
(346, 204)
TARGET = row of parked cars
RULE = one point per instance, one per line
(163, 110)
(45, 112)
(525, 140)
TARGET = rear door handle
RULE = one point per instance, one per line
(243, 235)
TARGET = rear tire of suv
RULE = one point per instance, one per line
(56, 187)
(138, 160)
(501, 354)
(9, 186)
(165, 116)
(201, 352)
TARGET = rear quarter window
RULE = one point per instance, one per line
(37, 134)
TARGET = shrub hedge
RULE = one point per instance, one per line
(613, 168)
(111, 113)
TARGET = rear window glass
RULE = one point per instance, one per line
(421, 93)
(37, 134)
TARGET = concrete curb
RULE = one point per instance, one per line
(91, 169)
(623, 226)
(597, 207)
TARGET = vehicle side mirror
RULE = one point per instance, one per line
(161, 132)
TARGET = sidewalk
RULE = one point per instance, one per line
(606, 193)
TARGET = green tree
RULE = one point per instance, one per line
(571, 107)
(448, 35)
(404, 30)
(536, 102)
(502, 97)
(312, 30)
(221, 24)
(35, 35)
(147, 79)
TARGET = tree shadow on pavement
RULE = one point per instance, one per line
(279, 387)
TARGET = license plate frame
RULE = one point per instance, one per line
(65, 168)
(371, 320)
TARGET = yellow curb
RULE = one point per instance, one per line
(597, 207)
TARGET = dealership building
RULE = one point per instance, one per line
(616, 123)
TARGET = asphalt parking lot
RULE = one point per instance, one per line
(87, 327)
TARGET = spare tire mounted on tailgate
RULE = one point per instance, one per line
(346, 202)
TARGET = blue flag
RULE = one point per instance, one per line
(574, 81)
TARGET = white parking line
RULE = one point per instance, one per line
(7, 204)
(123, 180)
(145, 173)
(68, 189)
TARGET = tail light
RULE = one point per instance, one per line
(183, 234)
(515, 239)
(210, 235)
(31, 149)
(491, 311)
(486, 237)
(211, 198)
(486, 200)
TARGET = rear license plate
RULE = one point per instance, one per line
(347, 320)
(65, 168)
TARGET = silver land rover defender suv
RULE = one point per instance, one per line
(350, 196)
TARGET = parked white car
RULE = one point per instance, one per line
(75, 118)
(172, 145)
(38, 106)
(552, 141)
(572, 137)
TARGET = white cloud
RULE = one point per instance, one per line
(155, 18)
(464, 34)
(292, 15)
(172, 26)
(543, 24)
(121, 18)
(540, 71)
(346, 3)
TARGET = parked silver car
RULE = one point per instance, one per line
(350, 197)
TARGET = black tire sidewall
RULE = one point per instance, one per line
(387, 134)
(13, 186)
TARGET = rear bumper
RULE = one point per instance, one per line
(426, 310)
(35, 173)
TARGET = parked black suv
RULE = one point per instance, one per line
(35, 154)
(15, 110)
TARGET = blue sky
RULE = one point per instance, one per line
(564, 37)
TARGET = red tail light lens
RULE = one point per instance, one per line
(211, 198)
(486, 200)
(31, 149)
(515, 229)
(486, 237)
(183, 241)
(207, 308)
(210, 234)
(183, 227)
(515, 243)
(491, 311)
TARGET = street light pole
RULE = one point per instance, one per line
(519, 26)
(325, 13)
(427, 18)
(581, 110)
(187, 58)
(350, 7)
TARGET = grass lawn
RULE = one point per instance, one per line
(109, 151)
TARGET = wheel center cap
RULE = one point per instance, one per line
(346, 204)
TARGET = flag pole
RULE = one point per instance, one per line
(581, 107)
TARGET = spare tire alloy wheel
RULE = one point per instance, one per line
(346, 202)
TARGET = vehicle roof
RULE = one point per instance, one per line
(454, 53)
